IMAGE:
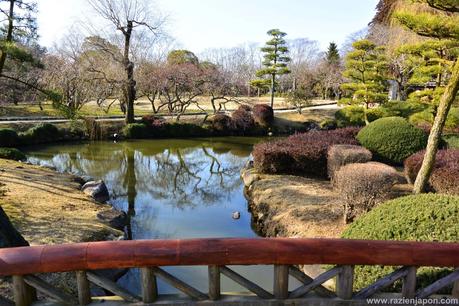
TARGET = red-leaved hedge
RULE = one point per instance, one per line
(243, 119)
(263, 114)
(302, 154)
(445, 175)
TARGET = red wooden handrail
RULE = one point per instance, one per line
(233, 251)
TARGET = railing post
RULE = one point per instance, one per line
(409, 284)
(24, 295)
(214, 283)
(345, 283)
(149, 286)
(281, 281)
(84, 291)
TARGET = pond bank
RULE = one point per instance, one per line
(292, 206)
(47, 207)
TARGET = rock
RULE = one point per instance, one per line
(82, 179)
(9, 236)
(97, 190)
(236, 215)
(311, 126)
(249, 176)
(114, 218)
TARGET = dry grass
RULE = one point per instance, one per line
(49, 208)
(308, 115)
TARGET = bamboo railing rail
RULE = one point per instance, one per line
(285, 254)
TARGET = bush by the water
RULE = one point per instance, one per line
(427, 217)
(445, 174)
(392, 139)
(303, 154)
(263, 114)
(12, 153)
(166, 130)
(341, 155)
(222, 123)
(42, 133)
(363, 186)
(8, 138)
(243, 119)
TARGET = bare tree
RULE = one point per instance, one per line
(126, 16)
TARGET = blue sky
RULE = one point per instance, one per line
(201, 24)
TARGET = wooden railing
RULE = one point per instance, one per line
(285, 254)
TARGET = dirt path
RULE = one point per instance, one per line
(48, 207)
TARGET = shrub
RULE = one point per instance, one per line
(445, 173)
(153, 121)
(221, 123)
(263, 114)
(403, 109)
(11, 153)
(42, 133)
(8, 138)
(136, 131)
(363, 186)
(452, 141)
(392, 139)
(242, 119)
(426, 217)
(303, 154)
(341, 155)
(350, 116)
(328, 124)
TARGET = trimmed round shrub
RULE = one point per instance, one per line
(301, 154)
(153, 121)
(11, 153)
(263, 114)
(221, 123)
(42, 133)
(242, 119)
(445, 174)
(363, 186)
(341, 155)
(426, 217)
(8, 138)
(392, 139)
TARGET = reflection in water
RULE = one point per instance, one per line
(170, 189)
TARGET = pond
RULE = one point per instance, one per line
(170, 189)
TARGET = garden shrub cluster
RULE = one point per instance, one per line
(341, 155)
(222, 123)
(426, 118)
(445, 174)
(9, 138)
(363, 186)
(263, 114)
(303, 154)
(242, 119)
(392, 139)
(427, 217)
(166, 130)
(42, 133)
(12, 153)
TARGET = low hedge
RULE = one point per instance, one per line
(12, 153)
(426, 217)
(341, 155)
(243, 120)
(263, 114)
(167, 130)
(8, 138)
(42, 133)
(302, 154)
(392, 139)
(445, 174)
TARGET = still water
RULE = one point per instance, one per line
(170, 189)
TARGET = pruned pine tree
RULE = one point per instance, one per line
(366, 67)
(275, 61)
(443, 24)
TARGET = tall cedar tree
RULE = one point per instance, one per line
(365, 70)
(275, 61)
(443, 25)
(332, 55)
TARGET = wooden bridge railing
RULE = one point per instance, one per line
(285, 254)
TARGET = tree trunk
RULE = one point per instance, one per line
(273, 89)
(129, 69)
(435, 135)
(9, 236)
(9, 34)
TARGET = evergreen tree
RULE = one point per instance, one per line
(365, 73)
(443, 24)
(275, 61)
(332, 55)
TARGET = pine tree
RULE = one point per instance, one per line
(275, 61)
(365, 71)
(442, 25)
(332, 55)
